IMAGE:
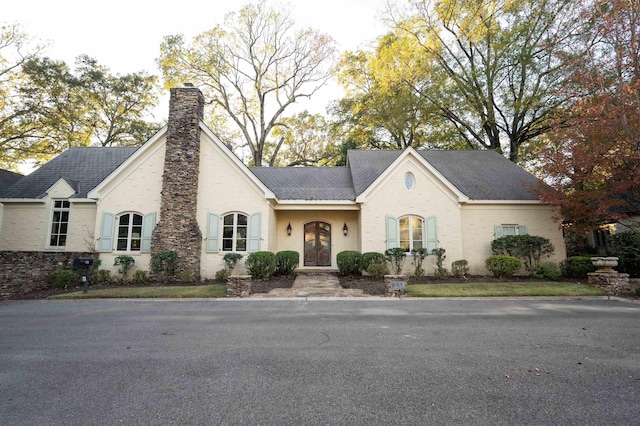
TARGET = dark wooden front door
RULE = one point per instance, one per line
(317, 244)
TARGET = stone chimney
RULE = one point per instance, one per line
(178, 228)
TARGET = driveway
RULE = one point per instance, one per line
(418, 362)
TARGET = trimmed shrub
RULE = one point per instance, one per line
(378, 270)
(459, 268)
(546, 270)
(187, 276)
(261, 264)
(396, 257)
(164, 264)
(222, 276)
(576, 267)
(230, 261)
(626, 246)
(370, 258)
(287, 261)
(349, 262)
(440, 272)
(140, 277)
(529, 248)
(64, 278)
(503, 266)
(419, 255)
(103, 277)
(125, 263)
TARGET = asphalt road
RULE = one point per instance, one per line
(422, 362)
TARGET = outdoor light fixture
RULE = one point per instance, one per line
(345, 229)
(289, 229)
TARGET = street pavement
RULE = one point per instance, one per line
(320, 362)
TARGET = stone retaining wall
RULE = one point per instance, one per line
(395, 285)
(25, 271)
(239, 286)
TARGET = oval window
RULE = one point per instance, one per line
(408, 181)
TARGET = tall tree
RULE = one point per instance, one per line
(594, 162)
(494, 70)
(306, 141)
(16, 48)
(254, 67)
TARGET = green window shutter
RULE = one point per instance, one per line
(254, 232)
(105, 243)
(432, 234)
(148, 225)
(213, 226)
(522, 230)
(392, 232)
(497, 231)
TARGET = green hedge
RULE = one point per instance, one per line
(349, 262)
(576, 267)
(371, 257)
(287, 261)
(261, 264)
(503, 266)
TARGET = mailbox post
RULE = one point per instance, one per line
(84, 263)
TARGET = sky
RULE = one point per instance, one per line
(125, 35)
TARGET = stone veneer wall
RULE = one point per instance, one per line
(178, 228)
(25, 271)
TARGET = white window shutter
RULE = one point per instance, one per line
(254, 232)
(213, 226)
(148, 225)
(497, 231)
(105, 243)
(392, 232)
(432, 234)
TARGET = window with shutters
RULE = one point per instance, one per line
(411, 232)
(129, 232)
(504, 230)
(234, 232)
(59, 223)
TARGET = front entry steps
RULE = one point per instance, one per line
(314, 284)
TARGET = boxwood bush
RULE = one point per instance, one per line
(576, 267)
(64, 278)
(371, 257)
(503, 266)
(349, 262)
(287, 261)
(261, 264)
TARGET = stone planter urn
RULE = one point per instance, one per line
(604, 263)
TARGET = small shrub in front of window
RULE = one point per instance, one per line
(529, 248)
(378, 270)
(460, 268)
(396, 257)
(140, 277)
(441, 272)
(419, 255)
(503, 266)
(286, 262)
(64, 278)
(546, 270)
(125, 264)
(349, 262)
(164, 264)
(371, 257)
(261, 264)
(577, 267)
(222, 276)
(230, 261)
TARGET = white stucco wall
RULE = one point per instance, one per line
(429, 197)
(223, 187)
(478, 229)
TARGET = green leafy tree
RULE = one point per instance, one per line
(493, 66)
(252, 68)
(306, 140)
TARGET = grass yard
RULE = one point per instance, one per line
(177, 292)
(503, 289)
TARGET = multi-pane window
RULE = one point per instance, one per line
(234, 232)
(512, 230)
(59, 223)
(129, 232)
(411, 232)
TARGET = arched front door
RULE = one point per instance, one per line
(317, 244)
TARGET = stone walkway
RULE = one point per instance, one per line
(313, 285)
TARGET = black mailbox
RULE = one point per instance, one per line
(83, 261)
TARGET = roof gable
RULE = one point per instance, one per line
(307, 183)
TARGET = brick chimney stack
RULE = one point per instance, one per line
(178, 228)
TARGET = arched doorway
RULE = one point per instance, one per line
(317, 244)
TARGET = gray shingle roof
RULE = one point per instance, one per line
(307, 183)
(82, 167)
(7, 179)
(480, 175)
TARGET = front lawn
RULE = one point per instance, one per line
(502, 289)
(172, 292)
